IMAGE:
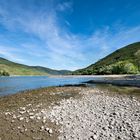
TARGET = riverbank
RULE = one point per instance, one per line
(70, 113)
(123, 80)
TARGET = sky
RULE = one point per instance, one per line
(66, 34)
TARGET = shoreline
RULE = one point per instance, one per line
(60, 113)
(117, 80)
(129, 80)
(49, 75)
(132, 83)
(18, 118)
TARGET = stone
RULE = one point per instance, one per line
(38, 117)
(12, 121)
(19, 127)
(47, 129)
(27, 120)
(7, 113)
(32, 117)
(44, 121)
(22, 108)
(31, 113)
(22, 112)
(21, 118)
(50, 131)
(42, 127)
(14, 116)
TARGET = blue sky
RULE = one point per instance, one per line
(66, 34)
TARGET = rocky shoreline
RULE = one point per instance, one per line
(98, 117)
(132, 80)
(70, 113)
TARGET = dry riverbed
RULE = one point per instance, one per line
(69, 113)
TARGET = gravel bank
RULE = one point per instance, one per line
(97, 117)
(70, 113)
(121, 82)
(131, 80)
(19, 119)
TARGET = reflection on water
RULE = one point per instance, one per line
(11, 85)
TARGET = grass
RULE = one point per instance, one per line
(20, 69)
(130, 55)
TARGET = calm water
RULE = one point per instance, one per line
(11, 85)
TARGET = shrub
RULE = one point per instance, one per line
(4, 73)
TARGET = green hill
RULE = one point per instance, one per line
(11, 68)
(123, 61)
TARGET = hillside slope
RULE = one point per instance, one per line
(123, 61)
(19, 69)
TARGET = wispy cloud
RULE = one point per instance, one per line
(64, 6)
(11, 54)
(60, 49)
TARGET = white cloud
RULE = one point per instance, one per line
(64, 6)
(61, 49)
(11, 54)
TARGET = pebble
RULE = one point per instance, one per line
(97, 112)
(12, 121)
(14, 116)
(31, 113)
(32, 117)
(50, 131)
(38, 117)
(23, 108)
(21, 118)
(44, 121)
(22, 112)
(42, 127)
(47, 129)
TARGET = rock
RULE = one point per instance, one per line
(22, 112)
(32, 117)
(19, 127)
(23, 108)
(31, 113)
(12, 121)
(7, 113)
(95, 137)
(94, 116)
(37, 138)
(44, 121)
(50, 131)
(38, 117)
(32, 130)
(27, 120)
(42, 127)
(14, 116)
(29, 105)
(21, 118)
(47, 129)
(21, 130)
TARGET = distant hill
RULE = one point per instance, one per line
(11, 68)
(123, 61)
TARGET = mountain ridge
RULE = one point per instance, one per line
(118, 62)
(13, 68)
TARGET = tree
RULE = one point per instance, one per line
(4, 73)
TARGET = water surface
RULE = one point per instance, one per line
(11, 85)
